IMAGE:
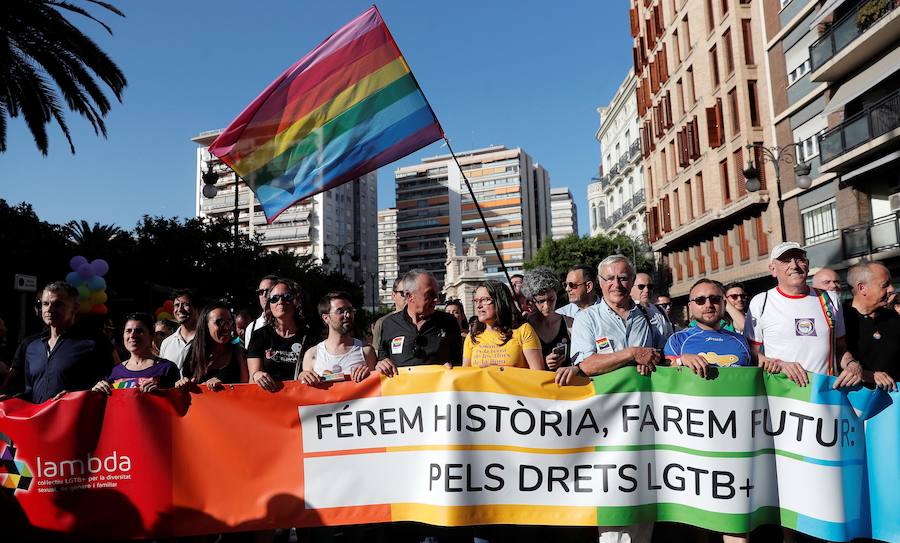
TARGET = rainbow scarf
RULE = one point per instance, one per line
(348, 107)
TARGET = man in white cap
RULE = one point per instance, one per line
(793, 328)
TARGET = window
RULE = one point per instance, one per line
(677, 207)
(677, 266)
(701, 197)
(676, 46)
(809, 148)
(729, 52)
(747, 34)
(820, 222)
(687, 34)
(701, 261)
(690, 263)
(679, 90)
(744, 243)
(665, 166)
(739, 172)
(753, 98)
(735, 115)
(713, 255)
(710, 16)
(714, 65)
(725, 6)
(798, 72)
(762, 244)
(688, 200)
(726, 248)
(726, 186)
(692, 90)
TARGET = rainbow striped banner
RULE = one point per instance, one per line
(345, 109)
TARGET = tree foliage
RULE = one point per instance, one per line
(40, 48)
(560, 255)
(157, 256)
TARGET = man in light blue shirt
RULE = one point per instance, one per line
(614, 332)
(581, 288)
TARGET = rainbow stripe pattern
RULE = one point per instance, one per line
(348, 107)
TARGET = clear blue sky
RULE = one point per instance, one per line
(523, 73)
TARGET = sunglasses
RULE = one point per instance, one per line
(345, 311)
(648, 285)
(665, 305)
(287, 298)
(572, 286)
(701, 300)
(261, 291)
(738, 296)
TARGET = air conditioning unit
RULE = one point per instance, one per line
(894, 201)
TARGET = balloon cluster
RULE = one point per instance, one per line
(87, 277)
(166, 312)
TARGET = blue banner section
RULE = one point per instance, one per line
(883, 447)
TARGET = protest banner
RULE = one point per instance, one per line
(457, 447)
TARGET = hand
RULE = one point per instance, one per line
(148, 385)
(850, 376)
(645, 356)
(104, 387)
(386, 368)
(359, 372)
(448, 366)
(214, 384)
(643, 370)
(60, 394)
(307, 377)
(696, 363)
(265, 381)
(553, 361)
(884, 381)
(795, 373)
(567, 375)
(183, 382)
(771, 365)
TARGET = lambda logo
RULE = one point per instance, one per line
(14, 474)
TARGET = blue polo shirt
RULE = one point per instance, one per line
(719, 347)
(77, 361)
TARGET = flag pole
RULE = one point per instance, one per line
(480, 214)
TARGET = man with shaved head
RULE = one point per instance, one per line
(828, 280)
(873, 329)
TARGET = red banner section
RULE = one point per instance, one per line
(105, 466)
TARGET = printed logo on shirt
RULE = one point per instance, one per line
(133, 382)
(283, 357)
(603, 344)
(805, 327)
(721, 360)
(397, 345)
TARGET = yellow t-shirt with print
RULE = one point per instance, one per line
(489, 352)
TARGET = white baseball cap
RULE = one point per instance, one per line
(782, 248)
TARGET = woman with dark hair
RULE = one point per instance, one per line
(500, 338)
(276, 350)
(554, 330)
(142, 369)
(455, 308)
(212, 357)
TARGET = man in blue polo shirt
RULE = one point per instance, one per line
(707, 343)
(64, 358)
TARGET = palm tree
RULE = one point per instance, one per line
(38, 47)
(99, 239)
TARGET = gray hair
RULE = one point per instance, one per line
(61, 288)
(537, 281)
(409, 280)
(861, 273)
(613, 259)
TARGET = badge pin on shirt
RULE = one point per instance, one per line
(877, 335)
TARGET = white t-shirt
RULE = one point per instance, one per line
(795, 328)
(338, 363)
(174, 348)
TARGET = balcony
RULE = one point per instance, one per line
(606, 223)
(868, 130)
(282, 235)
(875, 236)
(624, 160)
(638, 198)
(839, 51)
(627, 206)
(635, 149)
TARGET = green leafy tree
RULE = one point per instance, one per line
(560, 255)
(40, 48)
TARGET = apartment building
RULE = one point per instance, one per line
(563, 213)
(701, 95)
(388, 266)
(617, 198)
(434, 205)
(835, 71)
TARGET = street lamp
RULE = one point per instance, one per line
(777, 155)
(373, 276)
(340, 251)
(210, 177)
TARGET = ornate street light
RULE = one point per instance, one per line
(777, 156)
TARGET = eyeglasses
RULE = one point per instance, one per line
(665, 305)
(738, 296)
(261, 291)
(701, 300)
(287, 298)
(222, 322)
(573, 286)
(619, 278)
(399, 292)
(648, 285)
(482, 301)
(345, 311)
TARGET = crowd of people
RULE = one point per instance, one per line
(611, 320)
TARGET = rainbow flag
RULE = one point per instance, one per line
(348, 107)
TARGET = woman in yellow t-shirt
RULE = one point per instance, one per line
(500, 338)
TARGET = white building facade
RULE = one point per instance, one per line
(388, 266)
(338, 226)
(563, 213)
(616, 200)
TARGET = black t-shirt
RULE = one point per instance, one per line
(229, 374)
(437, 342)
(874, 340)
(281, 356)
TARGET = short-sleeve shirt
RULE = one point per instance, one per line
(874, 340)
(281, 356)
(660, 321)
(488, 350)
(174, 348)
(719, 347)
(437, 342)
(796, 328)
(164, 371)
(77, 361)
(600, 330)
(571, 309)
